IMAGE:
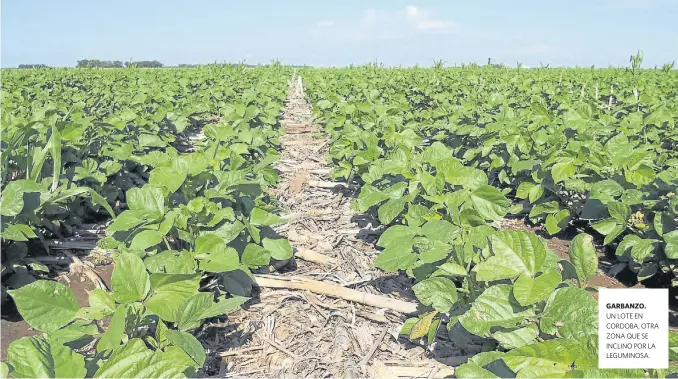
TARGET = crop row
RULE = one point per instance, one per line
(182, 160)
(443, 154)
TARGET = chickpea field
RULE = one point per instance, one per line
(229, 221)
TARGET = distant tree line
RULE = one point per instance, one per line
(182, 65)
(117, 64)
(33, 66)
(145, 64)
(96, 63)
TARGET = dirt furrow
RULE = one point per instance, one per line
(292, 332)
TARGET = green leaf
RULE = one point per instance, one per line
(528, 290)
(549, 207)
(369, 196)
(62, 195)
(421, 328)
(396, 257)
(55, 145)
(101, 304)
(494, 308)
(127, 361)
(324, 104)
(388, 211)
(73, 332)
(181, 283)
(396, 235)
(619, 211)
(202, 305)
(130, 281)
(613, 373)
(218, 256)
(255, 255)
(37, 357)
(607, 187)
(433, 330)
(450, 269)
(552, 357)
(440, 230)
(222, 260)
(190, 310)
(671, 248)
(467, 177)
(260, 217)
(439, 293)
(39, 156)
(4, 370)
(169, 291)
(624, 247)
(148, 198)
(673, 346)
(209, 243)
(562, 171)
(583, 256)
(115, 331)
(556, 223)
(224, 305)
(566, 320)
(18, 232)
(228, 231)
(395, 191)
(515, 252)
(536, 193)
(171, 262)
(45, 305)
(434, 251)
(12, 201)
(490, 202)
(280, 248)
(605, 226)
(523, 190)
(493, 269)
(145, 239)
(165, 304)
(167, 177)
(514, 339)
(618, 230)
(471, 217)
(161, 335)
(531, 191)
(126, 221)
(643, 249)
(471, 370)
(640, 176)
(188, 343)
(406, 328)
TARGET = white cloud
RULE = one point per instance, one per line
(426, 20)
(375, 24)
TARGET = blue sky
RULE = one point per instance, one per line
(562, 33)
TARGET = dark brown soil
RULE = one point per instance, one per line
(11, 331)
(80, 284)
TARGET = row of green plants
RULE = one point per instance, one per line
(443, 154)
(191, 217)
